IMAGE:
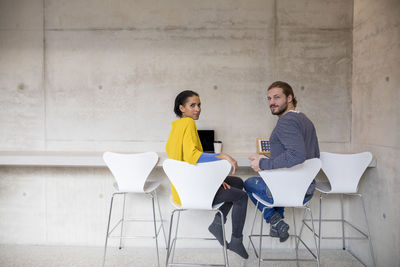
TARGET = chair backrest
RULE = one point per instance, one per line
(288, 186)
(131, 170)
(344, 171)
(196, 184)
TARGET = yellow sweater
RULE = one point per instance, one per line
(183, 144)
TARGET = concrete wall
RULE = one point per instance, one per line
(102, 75)
(89, 75)
(376, 121)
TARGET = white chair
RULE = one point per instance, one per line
(196, 186)
(344, 172)
(288, 187)
(131, 172)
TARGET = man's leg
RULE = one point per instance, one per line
(278, 226)
(307, 198)
(274, 216)
(257, 185)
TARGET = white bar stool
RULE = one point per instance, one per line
(131, 172)
(344, 172)
(196, 186)
(288, 187)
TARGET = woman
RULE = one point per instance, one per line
(184, 144)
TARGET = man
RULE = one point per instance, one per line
(292, 141)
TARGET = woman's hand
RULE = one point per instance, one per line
(231, 160)
(226, 186)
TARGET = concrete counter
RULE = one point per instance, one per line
(86, 159)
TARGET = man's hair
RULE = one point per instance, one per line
(286, 88)
(181, 99)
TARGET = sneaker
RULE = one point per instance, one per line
(280, 230)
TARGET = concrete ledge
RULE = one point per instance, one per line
(85, 159)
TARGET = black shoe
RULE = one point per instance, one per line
(280, 230)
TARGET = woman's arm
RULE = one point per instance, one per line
(231, 160)
(208, 157)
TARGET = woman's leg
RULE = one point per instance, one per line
(236, 199)
(235, 182)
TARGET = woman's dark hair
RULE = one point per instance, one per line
(181, 99)
(286, 88)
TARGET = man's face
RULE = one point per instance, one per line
(277, 100)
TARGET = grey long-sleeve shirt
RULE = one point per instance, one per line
(293, 140)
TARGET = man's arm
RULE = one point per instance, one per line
(255, 162)
(290, 136)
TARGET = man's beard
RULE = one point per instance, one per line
(281, 110)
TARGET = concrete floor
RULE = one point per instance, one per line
(13, 255)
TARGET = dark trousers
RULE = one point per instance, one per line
(236, 199)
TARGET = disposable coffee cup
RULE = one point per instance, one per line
(217, 146)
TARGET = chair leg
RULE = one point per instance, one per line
(224, 238)
(161, 219)
(369, 234)
(315, 238)
(320, 224)
(261, 234)
(252, 226)
(301, 229)
(175, 237)
(169, 238)
(155, 230)
(296, 237)
(122, 222)
(342, 214)
(108, 229)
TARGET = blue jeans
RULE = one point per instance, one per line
(257, 185)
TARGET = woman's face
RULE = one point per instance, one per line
(191, 108)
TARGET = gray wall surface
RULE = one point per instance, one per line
(102, 75)
(376, 120)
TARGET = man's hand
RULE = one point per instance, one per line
(255, 162)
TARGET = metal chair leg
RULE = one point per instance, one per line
(155, 230)
(315, 239)
(224, 238)
(161, 219)
(169, 238)
(301, 228)
(252, 226)
(108, 229)
(320, 224)
(296, 237)
(261, 234)
(342, 214)
(122, 222)
(175, 237)
(369, 234)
